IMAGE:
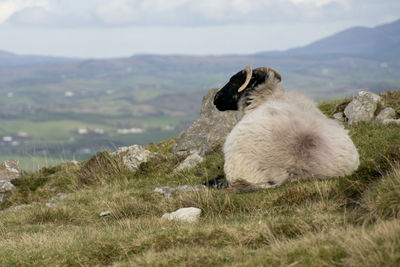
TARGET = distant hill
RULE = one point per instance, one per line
(8, 59)
(380, 42)
(50, 98)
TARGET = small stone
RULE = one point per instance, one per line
(362, 107)
(6, 186)
(14, 208)
(54, 204)
(387, 121)
(339, 116)
(9, 170)
(167, 191)
(105, 213)
(385, 114)
(190, 188)
(59, 196)
(134, 155)
(5, 189)
(190, 162)
(190, 214)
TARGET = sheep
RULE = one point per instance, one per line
(282, 136)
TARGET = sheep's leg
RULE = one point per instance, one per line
(219, 182)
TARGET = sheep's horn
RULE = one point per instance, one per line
(277, 75)
(248, 72)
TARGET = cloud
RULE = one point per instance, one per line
(10, 7)
(205, 12)
(32, 16)
(319, 3)
(184, 13)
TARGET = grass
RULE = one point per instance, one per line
(347, 221)
(33, 163)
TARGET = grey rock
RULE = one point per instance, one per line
(59, 196)
(339, 116)
(54, 204)
(5, 189)
(385, 114)
(9, 170)
(190, 214)
(208, 133)
(167, 191)
(190, 162)
(134, 155)
(387, 121)
(362, 107)
(14, 208)
(6, 186)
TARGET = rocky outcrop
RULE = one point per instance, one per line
(190, 162)
(208, 133)
(184, 214)
(339, 117)
(134, 155)
(385, 114)
(362, 107)
(5, 189)
(9, 170)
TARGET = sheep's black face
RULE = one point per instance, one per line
(228, 97)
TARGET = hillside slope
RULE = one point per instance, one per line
(351, 221)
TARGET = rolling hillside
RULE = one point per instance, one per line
(50, 98)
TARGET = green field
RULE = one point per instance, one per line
(51, 139)
(51, 102)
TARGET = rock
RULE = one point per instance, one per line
(105, 213)
(134, 155)
(9, 170)
(387, 121)
(208, 133)
(184, 214)
(385, 114)
(14, 208)
(59, 196)
(190, 162)
(54, 204)
(5, 189)
(6, 186)
(167, 191)
(362, 107)
(339, 117)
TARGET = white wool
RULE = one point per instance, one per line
(284, 137)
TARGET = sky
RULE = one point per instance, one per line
(120, 28)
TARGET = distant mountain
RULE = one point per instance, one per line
(8, 59)
(380, 42)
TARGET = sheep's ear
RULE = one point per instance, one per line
(267, 72)
(259, 77)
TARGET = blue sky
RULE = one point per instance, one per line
(116, 28)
